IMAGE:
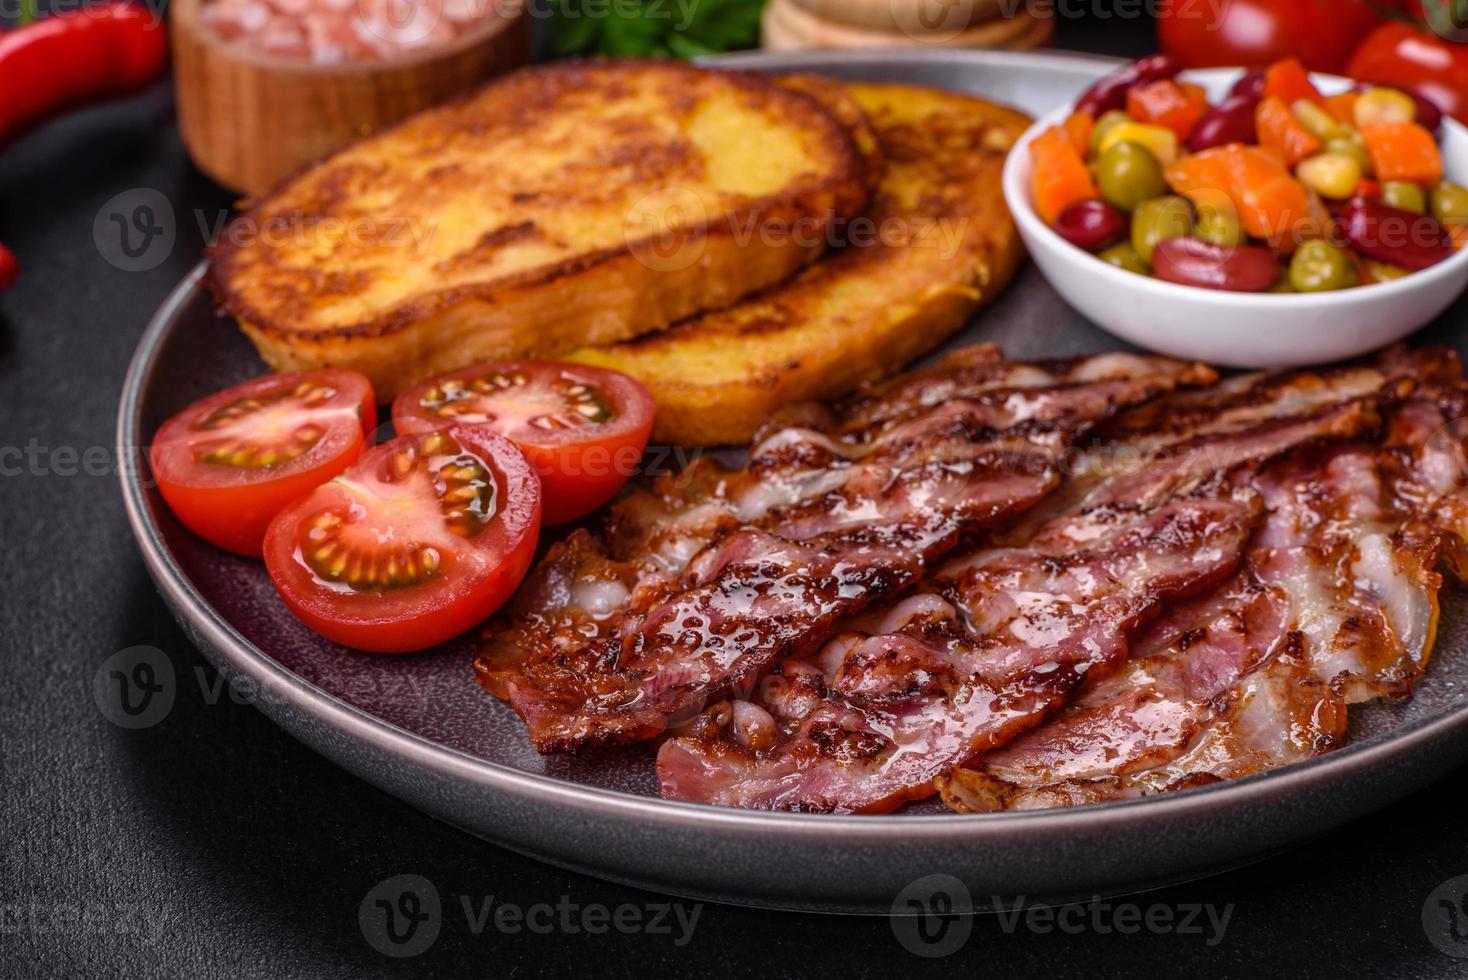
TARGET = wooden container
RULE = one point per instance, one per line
(249, 119)
(911, 16)
(793, 25)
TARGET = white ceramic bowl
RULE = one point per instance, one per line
(1237, 329)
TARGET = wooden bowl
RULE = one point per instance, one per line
(789, 25)
(249, 119)
(910, 16)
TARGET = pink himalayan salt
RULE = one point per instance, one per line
(335, 31)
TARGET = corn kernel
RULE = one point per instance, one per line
(1319, 123)
(1330, 174)
(1353, 146)
(1384, 105)
(1160, 141)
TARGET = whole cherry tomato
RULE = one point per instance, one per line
(1321, 33)
(1409, 58)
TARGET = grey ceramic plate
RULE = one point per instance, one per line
(419, 728)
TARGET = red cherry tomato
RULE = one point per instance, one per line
(229, 463)
(425, 537)
(1321, 33)
(582, 428)
(1419, 61)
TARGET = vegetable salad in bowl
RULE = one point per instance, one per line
(1274, 187)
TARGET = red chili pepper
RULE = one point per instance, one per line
(72, 57)
(9, 268)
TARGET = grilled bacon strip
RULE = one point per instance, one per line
(1005, 637)
(878, 716)
(1338, 606)
(703, 585)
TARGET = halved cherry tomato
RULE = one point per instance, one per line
(229, 463)
(425, 537)
(582, 428)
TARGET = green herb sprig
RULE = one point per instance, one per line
(656, 28)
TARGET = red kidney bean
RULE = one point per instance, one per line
(1429, 116)
(1194, 262)
(1110, 92)
(1091, 225)
(1250, 84)
(1387, 234)
(1231, 121)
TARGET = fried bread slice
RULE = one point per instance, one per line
(936, 244)
(560, 206)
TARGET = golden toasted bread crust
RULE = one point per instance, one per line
(938, 242)
(476, 229)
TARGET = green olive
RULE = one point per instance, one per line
(1450, 203)
(1403, 194)
(1104, 124)
(1128, 174)
(1158, 219)
(1123, 256)
(1218, 222)
(1318, 266)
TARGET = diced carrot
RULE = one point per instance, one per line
(1206, 171)
(1270, 202)
(1280, 131)
(1403, 151)
(1166, 103)
(1342, 107)
(1061, 177)
(1288, 80)
(1078, 126)
(1459, 235)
